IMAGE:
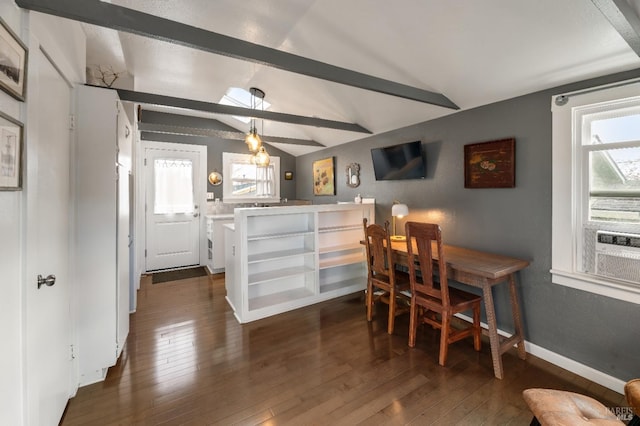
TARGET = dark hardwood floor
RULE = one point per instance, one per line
(188, 361)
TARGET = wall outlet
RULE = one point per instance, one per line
(209, 195)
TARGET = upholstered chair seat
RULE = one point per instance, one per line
(552, 407)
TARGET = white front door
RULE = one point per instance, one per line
(174, 191)
(48, 321)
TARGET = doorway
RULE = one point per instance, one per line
(174, 189)
(50, 375)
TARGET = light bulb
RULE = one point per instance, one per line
(262, 157)
(253, 141)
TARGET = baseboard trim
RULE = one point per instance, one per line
(568, 364)
(576, 367)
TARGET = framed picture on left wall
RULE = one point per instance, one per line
(13, 63)
(11, 149)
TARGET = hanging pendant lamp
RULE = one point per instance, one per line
(252, 139)
(261, 159)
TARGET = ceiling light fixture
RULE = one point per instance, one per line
(252, 139)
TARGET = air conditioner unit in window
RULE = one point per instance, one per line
(618, 256)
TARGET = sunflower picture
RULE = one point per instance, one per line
(323, 177)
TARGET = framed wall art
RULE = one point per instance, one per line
(13, 63)
(288, 175)
(11, 149)
(323, 177)
(490, 164)
(353, 175)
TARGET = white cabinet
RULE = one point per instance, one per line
(102, 232)
(210, 243)
(215, 241)
(218, 242)
(284, 258)
(232, 265)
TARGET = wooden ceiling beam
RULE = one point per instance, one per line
(162, 100)
(624, 19)
(177, 124)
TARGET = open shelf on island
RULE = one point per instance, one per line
(341, 247)
(346, 259)
(271, 236)
(279, 274)
(357, 283)
(340, 228)
(283, 254)
(279, 298)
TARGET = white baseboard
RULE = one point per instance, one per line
(568, 364)
(575, 367)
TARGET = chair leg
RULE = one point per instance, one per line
(413, 323)
(369, 301)
(477, 330)
(444, 338)
(392, 311)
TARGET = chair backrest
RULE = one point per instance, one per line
(422, 239)
(378, 244)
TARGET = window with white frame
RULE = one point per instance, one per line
(596, 191)
(244, 182)
(610, 154)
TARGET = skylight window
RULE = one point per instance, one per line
(239, 97)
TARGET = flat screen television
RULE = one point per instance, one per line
(402, 161)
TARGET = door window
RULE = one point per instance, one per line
(173, 183)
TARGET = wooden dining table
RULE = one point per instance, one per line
(483, 270)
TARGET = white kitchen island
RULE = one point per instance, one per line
(282, 258)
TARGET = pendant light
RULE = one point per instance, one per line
(252, 139)
(261, 159)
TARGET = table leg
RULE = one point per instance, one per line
(494, 339)
(517, 319)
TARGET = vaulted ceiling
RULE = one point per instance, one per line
(358, 58)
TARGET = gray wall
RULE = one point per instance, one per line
(597, 331)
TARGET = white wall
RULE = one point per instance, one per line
(66, 42)
(11, 248)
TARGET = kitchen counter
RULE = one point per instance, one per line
(220, 216)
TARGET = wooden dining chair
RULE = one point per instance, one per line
(382, 274)
(433, 301)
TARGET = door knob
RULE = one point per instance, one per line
(48, 281)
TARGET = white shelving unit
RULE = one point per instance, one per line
(283, 258)
(341, 258)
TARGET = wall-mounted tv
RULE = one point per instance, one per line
(402, 161)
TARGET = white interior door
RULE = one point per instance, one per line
(48, 322)
(173, 197)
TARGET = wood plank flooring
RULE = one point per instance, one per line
(187, 361)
